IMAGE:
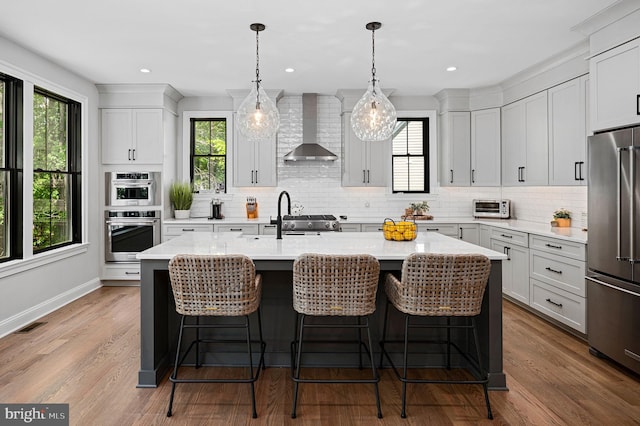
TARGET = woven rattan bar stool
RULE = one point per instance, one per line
(216, 286)
(329, 286)
(438, 285)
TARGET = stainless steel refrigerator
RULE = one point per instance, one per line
(613, 253)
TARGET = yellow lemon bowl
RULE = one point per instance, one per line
(399, 231)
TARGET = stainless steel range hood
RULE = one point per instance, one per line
(310, 149)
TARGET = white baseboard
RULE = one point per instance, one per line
(28, 316)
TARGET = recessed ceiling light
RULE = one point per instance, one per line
(452, 68)
(289, 70)
(145, 70)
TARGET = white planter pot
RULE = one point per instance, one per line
(181, 214)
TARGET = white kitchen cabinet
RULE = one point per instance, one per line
(246, 229)
(448, 229)
(469, 232)
(455, 137)
(485, 236)
(350, 227)
(568, 133)
(268, 229)
(132, 136)
(121, 272)
(515, 270)
(170, 231)
(371, 227)
(363, 163)
(525, 150)
(485, 147)
(254, 162)
(615, 87)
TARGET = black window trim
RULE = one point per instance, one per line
(425, 151)
(192, 147)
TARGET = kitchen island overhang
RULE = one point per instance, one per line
(273, 258)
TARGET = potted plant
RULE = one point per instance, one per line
(562, 217)
(419, 208)
(181, 197)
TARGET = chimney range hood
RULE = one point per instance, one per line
(309, 149)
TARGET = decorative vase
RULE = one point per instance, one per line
(563, 222)
(181, 214)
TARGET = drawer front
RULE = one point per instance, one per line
(512, 237)
(450, 229)
(566, 274)
(371, 227)
(557, 246)
(350, 227)
(175, 230)
(560, 305)
(251, 229)
(268, 229)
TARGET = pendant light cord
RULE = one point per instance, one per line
(373, 59)
(257, 70)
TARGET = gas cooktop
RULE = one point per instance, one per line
(311, 222)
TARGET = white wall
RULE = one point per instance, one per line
(33, 287)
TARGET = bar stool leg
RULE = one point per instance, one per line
(373, 369)
(298, 359)
(175, 368)
(359, 328)
(197, 342)
(405, 357)
(485, 384)
(384, 332)
(254, 414)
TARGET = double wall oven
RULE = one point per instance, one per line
(131, 225)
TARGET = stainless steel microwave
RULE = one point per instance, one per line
(500, 209)
(125, 189)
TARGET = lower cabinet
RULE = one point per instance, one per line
(558, 304)
(469, 232)
(449, 229)
(515, 270)
(268, 229)
(175, 230)
(121, 271)
(350, 227)
(247, 229)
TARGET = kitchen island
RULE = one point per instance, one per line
(274, 260)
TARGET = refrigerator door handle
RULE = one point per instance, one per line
(619, 256)
(632, 207)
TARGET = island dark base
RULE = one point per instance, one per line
(159, 327)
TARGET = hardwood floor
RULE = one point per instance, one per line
(87, 355)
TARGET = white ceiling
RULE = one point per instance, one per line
(203, 48)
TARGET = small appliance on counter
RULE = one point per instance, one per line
(497, 209)
(252, 208)
(215, 211)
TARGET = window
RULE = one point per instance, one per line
(209, 154)
(410, 155)
(56, 171)
(10, 168)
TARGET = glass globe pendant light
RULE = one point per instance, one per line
(258, 116)
(374, 117)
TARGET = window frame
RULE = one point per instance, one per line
(74, 167)
(14, 164)
(427, 133)
(192, 154)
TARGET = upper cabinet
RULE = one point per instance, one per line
(363, 163)
(568, 132)
(615, 87)
(525, 148)
(485, 147)
(132, 136)
(455, 135)
(254, 162)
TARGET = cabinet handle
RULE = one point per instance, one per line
(451, 178)
(364, 176)
(188, 229)
(251, 176)
(580, 164)
(576, 166)
(460, 232)
(506, 251)
(235, 229)
(553, 270)
(134, 154)
(433, 229)
(256, 176)
(506, 236)
(129, 154)
(559, 305)
(270, 226)
(554, 246)
(131, 273)
(368, 176)
(473, 175)
(638, 105)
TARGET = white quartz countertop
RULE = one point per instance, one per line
(267, 247)
(544, 229)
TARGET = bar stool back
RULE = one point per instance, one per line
(328, 286)
(216, 286)
(438, 285)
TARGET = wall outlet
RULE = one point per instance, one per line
(366, 204)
